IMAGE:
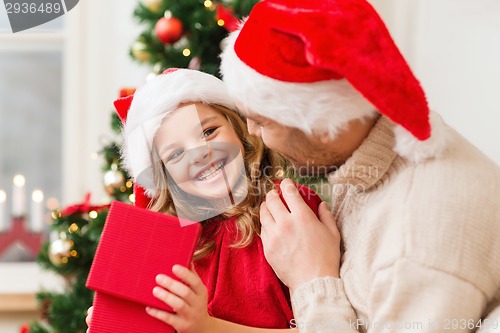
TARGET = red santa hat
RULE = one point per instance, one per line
(143, 112)
(316, 65)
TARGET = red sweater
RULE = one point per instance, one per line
(242, 286)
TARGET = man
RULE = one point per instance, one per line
(323, 83)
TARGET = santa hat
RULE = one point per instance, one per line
(317, 65)
(143, 112)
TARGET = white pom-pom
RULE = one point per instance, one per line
(415, 150)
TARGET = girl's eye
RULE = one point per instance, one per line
(208, 132)
(176, 154)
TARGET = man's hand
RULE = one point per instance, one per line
(299, 246)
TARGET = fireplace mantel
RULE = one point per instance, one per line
(19, 283)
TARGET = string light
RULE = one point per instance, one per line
(93, 214)
(131, 198)
(186, 52)
(129, 184)
(221, 22)
(73, 228)
(207, 3)
(56, 215)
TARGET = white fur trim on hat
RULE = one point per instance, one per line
(321, 107)
(155, 100)
(416, 150)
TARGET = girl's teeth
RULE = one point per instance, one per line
(207, 173)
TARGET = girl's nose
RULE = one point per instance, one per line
(198, 154)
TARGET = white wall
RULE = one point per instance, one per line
(453, 47)
(458, 60)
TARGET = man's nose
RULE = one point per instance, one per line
(253, 128)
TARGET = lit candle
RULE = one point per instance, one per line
(19, 196)
(36, 220)
(3, 221)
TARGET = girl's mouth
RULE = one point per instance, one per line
(211, 172)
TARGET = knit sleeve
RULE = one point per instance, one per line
(405, 297)
(321, 305)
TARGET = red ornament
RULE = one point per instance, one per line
(168, 30)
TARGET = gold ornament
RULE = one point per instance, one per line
(139, 51)
(113, 180)
(154, 6)
(60, 251)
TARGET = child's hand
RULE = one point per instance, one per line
(89, 317)
(188, 300)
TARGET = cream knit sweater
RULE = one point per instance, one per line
(421, 243)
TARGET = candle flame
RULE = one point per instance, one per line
(3, 196)
(19, 180)
(37, 196)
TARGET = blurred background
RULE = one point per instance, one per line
(58, 82)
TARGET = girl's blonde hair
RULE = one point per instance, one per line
(262, 168)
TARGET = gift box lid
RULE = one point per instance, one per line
(136, 245)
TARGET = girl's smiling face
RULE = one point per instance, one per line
(202, 153)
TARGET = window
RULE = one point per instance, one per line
(31, 64)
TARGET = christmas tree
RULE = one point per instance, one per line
(187, 33)
(180, 34)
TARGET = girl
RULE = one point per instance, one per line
(191, 152)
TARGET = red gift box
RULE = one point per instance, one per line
(136, 245)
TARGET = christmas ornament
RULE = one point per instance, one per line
(60, 251)
(168, 29)
(139, 51)
(154, 6)
(113, 180)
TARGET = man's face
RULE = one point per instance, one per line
(300, 149)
